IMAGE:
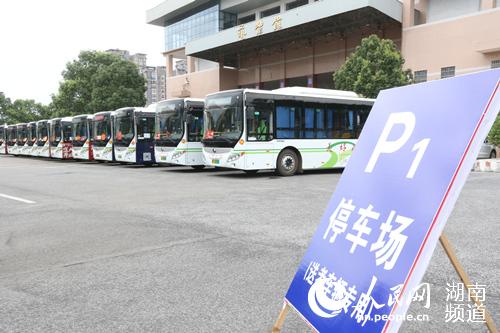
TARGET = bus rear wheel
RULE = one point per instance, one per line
(288, 163)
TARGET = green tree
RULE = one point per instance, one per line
(375, 65)
(98, 81)
(21, 110)
(5, 104)
(494, 135)
(25, 110)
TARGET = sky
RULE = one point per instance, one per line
(38, 38)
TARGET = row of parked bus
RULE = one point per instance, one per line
(287, 129)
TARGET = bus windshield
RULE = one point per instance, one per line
(80, 131)
(67, 131)
(55, 133)
(11, 136)
(145, 126)
(31, 134)
(2, 134)
(42, 133)
(102, 130)
(124, 129)
(224, 118)
(169, 126)
(22, 135)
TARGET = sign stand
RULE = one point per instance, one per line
(278, 325)
(465, 279)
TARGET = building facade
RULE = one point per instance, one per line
(155, 77)
(218, 45)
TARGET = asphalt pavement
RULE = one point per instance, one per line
(93, 247)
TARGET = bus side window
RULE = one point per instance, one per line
(362, 117)
(285, 122)
(260, 126)
(329, 122)
(320, 123)
(309, 123)
(349, 124)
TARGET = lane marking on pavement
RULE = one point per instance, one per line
(16, 198)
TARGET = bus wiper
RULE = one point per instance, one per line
(223, 139)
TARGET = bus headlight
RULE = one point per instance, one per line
(233, 157)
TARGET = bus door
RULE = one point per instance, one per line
(194, 129)
(145, 127)
(260, 147)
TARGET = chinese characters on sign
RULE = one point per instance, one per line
(331, 295)
(390, 241)
(277, 23)
(460, 306)
(242, 32)
(259, 27)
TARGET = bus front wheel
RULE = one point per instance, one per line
(288, 163)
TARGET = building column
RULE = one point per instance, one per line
(408, 13)
(191, 64)
(170, 65)
(487, 4)
(283, 80)
(310, 78)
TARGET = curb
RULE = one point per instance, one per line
(487, 165)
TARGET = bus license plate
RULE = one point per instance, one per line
(215, 161)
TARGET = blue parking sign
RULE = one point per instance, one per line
(377, 235)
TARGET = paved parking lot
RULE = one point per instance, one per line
(107, 248)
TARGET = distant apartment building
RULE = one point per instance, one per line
(266, 44)
(156, 81)
(155, 77)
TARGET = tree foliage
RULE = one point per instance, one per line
(494, 135)
(5, 103)
(375, 65)
(98, 81)
(21, 110)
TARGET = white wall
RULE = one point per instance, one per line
(443, 9)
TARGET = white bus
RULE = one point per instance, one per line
(103, 136)
(22, 139)
(82, 137)
(42, 148)
(60, 134)
(3, 140)
(287, 129)
(31, 138)
(178, 132)
(133, 135)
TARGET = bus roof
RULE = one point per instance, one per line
(67, 119)
(54, 120)
(102, 113)
(82, 116)
(42, 121)
(187, 101)
(308, 94)
(135, 110)
(22, 124)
